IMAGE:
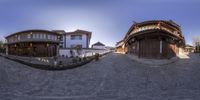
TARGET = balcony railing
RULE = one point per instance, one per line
(150, 27)
(32, 40)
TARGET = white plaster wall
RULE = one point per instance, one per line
(181, 51)
(82, 42)
(99, 47)
(84, 52)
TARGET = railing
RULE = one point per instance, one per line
(32, 40)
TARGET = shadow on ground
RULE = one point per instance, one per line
(113, 77)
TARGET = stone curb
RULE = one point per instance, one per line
(153, 62)
(49, 67)
(54, 68)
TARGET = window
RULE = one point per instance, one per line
(55, 37)
(52, 37)
(37, 36)
(61, 38)
(18, 37)
(44, 36)
(41, 36)
(76, 37)
(34, 36)
(28, 36)
(49, 37)
(76, 45)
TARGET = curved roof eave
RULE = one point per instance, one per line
(31, 30)
(143, 32)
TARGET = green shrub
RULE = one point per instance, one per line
(84, 58)
(60, 63)
(79, 59)
(90, 57)
(74, 60)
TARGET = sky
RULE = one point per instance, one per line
(108, 20)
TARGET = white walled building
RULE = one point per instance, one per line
(98, 45)
(69, 40)
(78, 37)
(72, 39)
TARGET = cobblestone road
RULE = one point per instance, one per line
(114, 77)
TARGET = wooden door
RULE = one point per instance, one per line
(150, 48)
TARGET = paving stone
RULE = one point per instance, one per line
(113, 77)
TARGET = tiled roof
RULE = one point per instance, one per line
(78, 31)
(98, 44)
(170, 23)
(32, 30)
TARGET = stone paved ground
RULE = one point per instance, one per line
(114, 77)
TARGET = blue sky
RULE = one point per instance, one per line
(109, 20)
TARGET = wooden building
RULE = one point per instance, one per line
(33, 43)
(156, 39)
(98, 45)
(189, 48)
(120, 47)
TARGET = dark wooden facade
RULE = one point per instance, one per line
(33, 43)
(33, 49)
(154, 40)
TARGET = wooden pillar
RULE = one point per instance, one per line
(31, 49)
(47, 46)
(57, 50)
(139, 49)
